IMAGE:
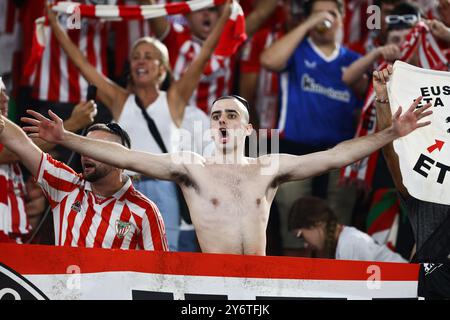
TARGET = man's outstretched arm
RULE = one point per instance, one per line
(158, 166)
(13, 138)
(82, 116)
(347, 152)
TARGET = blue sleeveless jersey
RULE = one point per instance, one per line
(317, 108)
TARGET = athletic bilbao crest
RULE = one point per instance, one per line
(76, 206)
(13, 286)
(122, 228)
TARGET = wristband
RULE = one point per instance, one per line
(382, 101)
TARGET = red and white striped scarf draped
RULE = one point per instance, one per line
(133, 12)
(233, 34)
(430, 57)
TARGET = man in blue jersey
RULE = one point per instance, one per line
(317, 110)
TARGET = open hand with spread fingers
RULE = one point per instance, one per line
(406, 123)
(51, 130)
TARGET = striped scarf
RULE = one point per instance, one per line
(233, 34)
(430, 57)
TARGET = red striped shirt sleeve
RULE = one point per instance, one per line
(56, 179)
(153, 232)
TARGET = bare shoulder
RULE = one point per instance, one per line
(269, 159)
(269, 164)
(188, 158)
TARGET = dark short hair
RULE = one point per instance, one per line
(306, 212)
(234, 96)
(114, 129)
(402, 9)
(309, 4)
(238, 98)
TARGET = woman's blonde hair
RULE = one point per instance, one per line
(161, 47)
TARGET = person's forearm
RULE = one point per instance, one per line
(6, 156)
(276, 56)
(157, 166)
(357, 69)
(384, 120)
(103, 151)
(108, 92)
(350, 151)
(15, 139)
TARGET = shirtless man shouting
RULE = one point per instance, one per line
(229, 195)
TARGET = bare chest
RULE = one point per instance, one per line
(230, 191)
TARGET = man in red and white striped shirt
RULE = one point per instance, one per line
(14, 223)
(13, 218)
(99, 208)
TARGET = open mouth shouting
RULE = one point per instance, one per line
(88, 167)
(206, 25)
(223, 135)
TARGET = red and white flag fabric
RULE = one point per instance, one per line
(63, 273)
(233, 33)
(430, 57)
(133, 12)
(41, 31)
(232, 36)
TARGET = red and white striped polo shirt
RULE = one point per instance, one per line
(217, 76)
(13, 218)
(125, 220)
(56, 78)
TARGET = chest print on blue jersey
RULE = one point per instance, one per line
(310, 65)
(309, 84)
(122, 228)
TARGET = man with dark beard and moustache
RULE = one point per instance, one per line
(96, 209)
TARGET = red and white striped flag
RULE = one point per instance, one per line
(40, 30)
(430, 57)
(232, 36)
(133, 12)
